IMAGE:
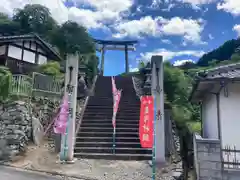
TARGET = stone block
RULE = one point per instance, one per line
(210, 173)
(205, 156)
(202, 147)
(210, 165)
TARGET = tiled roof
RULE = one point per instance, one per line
(230, 71)
(206, 79)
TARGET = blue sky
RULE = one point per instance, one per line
(180, 30)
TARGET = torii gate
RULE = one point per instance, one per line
(103, 45)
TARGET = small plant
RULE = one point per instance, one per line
(51, 68)
(6, 80)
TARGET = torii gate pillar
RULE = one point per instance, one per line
(102, 60)
(126, 60)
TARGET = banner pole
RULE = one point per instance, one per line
(114, 143)
(154, 141)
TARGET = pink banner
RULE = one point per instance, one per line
(114, 88)
(60, 123)
(116, 100)
(117, 97)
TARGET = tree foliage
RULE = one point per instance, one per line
(51, 68)
(35, 18)
(222, 53)
(72, 38)
(68, 38)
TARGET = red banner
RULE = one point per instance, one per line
(146, 122)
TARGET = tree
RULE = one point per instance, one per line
(222, 53)
(73, 38)
(7, 26)
(35, 18)
(92, 67)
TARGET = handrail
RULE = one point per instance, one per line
(84, 107)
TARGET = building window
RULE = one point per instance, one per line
(42, 59)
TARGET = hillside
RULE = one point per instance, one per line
(224, 52)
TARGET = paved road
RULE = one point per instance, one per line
(8, 173)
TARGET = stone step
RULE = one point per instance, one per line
(110, 109)
(108, 134)
(128, 113)
(109, 120)
(100, 129)
(110, 150)
(109, 144)
(109, 116)
(110, 104)
(110, 98)
(108, 139)
(108, 125)
(110, 156)
(100, 106)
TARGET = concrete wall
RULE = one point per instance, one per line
(229, 117)
(209, 116)
(229, 113)
(208, 161)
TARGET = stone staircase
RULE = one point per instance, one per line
(95, 140)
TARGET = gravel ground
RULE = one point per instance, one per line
(43, 159)
(8, 173)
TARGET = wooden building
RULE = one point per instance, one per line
(23, 53)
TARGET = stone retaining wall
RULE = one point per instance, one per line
(208, 160)
(15, 128)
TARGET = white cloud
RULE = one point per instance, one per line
(230, 6)
(236, 28)
(181, 62)
(104, 12)
(109, 5)
(188, 28)
(132, 69)
(112, 12)
(137, 28)
(147, 26)
(166, 41)
(198, 2)
(167, 55)
(210, 36)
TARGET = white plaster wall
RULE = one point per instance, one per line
(42, 59)
(2, 50)
(209, 117)
(27, 44)
(29, 56)
(14, 52)
(40, 50)
(230, 116)
(33, 46)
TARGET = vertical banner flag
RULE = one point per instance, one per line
(146, 124)
(116, 100)
(60, 123)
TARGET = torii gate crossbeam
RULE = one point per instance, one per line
(103, 45)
